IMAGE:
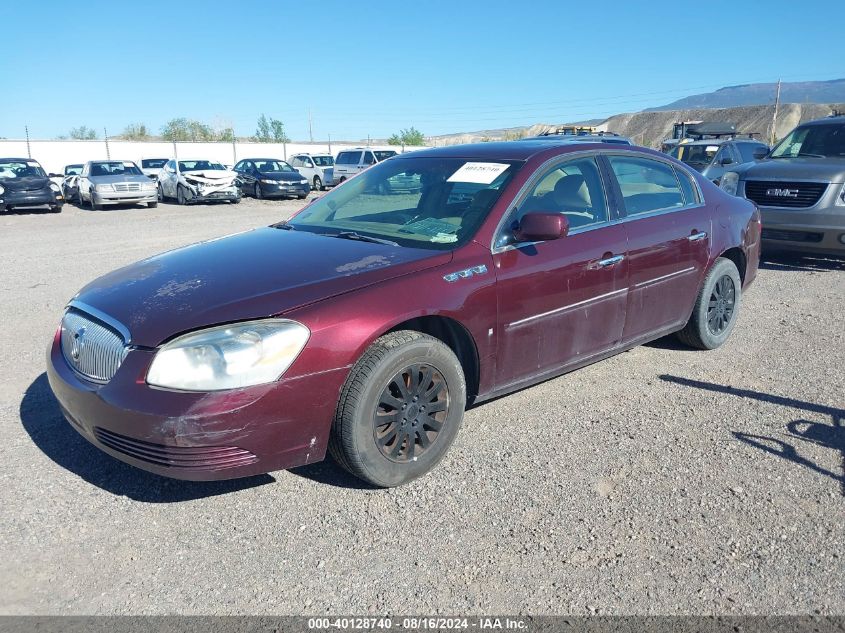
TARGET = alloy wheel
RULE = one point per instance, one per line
(410, 413)
(721, 306)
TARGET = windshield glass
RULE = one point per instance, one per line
(73, 170)
(432, 203)
(323, 161)
(273, 166)
(197, 165)
(153, 163)
(695, 154)
(21, 169)
(115, 168)
(819, 141)
(384, 154)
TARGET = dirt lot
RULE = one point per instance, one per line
(661, 481)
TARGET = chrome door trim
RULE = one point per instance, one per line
(665, 277)
(579, 304)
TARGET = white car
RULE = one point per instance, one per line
(317, 168)
(197, 180)
(152, 166)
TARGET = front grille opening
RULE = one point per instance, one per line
(793, 236)
(91, 347)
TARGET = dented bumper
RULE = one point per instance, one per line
(198, 436)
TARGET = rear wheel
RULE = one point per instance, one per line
(318, 184)
(716, 308)
(160, 193)
(399, 410)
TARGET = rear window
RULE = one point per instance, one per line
(385, 154)
(348, 158)
(323, 161)
(153, 163)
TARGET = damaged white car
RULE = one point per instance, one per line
(191, 181)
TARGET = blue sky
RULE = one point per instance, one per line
(373, 67)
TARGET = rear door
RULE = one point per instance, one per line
(668, 230)
(561, 301)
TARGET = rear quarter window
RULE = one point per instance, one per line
(348, 158)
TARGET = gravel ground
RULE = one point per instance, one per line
(662, 481)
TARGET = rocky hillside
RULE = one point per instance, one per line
(830, 91)
(649, 128)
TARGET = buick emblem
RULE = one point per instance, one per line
(78, 343)
(782, 193)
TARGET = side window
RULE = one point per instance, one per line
(369, 158)
(171, 165)
(688, 187)
(647, 185)
(574, 189)
(296, 161)
(239, 167)
(348, 158)
(724, 152)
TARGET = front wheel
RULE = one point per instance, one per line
(318, 184)
(716, 308)
(399, 410)
(256, 192)
(181, 196)
(94, 205)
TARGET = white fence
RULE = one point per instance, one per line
(54, 155)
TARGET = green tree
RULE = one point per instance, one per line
(135, 132)
(226, 134)
(83, 133)
(183, 129)
(277, 129)
(262, 133)
(411, 136)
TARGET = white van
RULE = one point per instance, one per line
(317, 168)
(353, 161)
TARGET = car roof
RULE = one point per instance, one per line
(260, 158)
(836, 120)
(20, 159)
(720, 141)
(512, 150)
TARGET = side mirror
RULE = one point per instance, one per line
(761, 153)
(55, 176)
(539, 226)
(726, 160)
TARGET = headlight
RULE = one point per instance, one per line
(730, 182)
(148, 185)
(2, 190)
(104, 187)
(55, 187)
(303, 182)
(840, 199)
(229, 356)
(269, 182)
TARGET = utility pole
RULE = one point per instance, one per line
(330, 142)
(28, 150)
(234, 147)
(775, 116)
(106, 137)
(310, 130)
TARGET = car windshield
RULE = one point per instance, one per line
(272, 166)
(323, 161)
(115, 168)
(73, 170)
(384, 154)
(431, 203)
(20, 169)
(153, 163)
(198, 165)
(817, 141)
(694, 154)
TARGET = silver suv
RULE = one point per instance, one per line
(317, 168)
(800, 188)
(353, 161)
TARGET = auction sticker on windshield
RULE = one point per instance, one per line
(478, 173)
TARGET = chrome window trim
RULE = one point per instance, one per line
(105, 318)
(532, 182)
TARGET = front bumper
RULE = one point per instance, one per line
(124, 197)
(818, 230)
(224, 195)
(198, 436)
(282, 188)
(39, 198)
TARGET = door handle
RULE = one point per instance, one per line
(697, 236)
(610, 261)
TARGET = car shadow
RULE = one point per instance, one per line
(330, 473)
(800, 262)
(43, 421)
(29, 211)
(799, 431)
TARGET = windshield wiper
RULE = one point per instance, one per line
(812, 155)
(352, 235)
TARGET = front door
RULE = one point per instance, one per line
(561, 301)
(668, 232)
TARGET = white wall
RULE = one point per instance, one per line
(54, 155)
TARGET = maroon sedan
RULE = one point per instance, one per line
(368, 322)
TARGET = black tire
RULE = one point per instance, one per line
(94, 205)
(152, 205)
(318, 184)
(160, 193)
(181, 197)
(56, 208)
(256, 192)
(716, 307)
(301, 197)
(81, 200)
(342, 179)
(372, 382)
(236, 201)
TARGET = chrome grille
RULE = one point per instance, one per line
(770, 193)
(127, 186)
(90, 347)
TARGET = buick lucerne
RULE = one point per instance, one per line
(366, 324)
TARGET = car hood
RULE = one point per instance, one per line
(257, 274)
(103, 180)
(287, 176)
(210, 175)
(825, 170)
(24, 184)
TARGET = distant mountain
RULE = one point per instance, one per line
(832, 91)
